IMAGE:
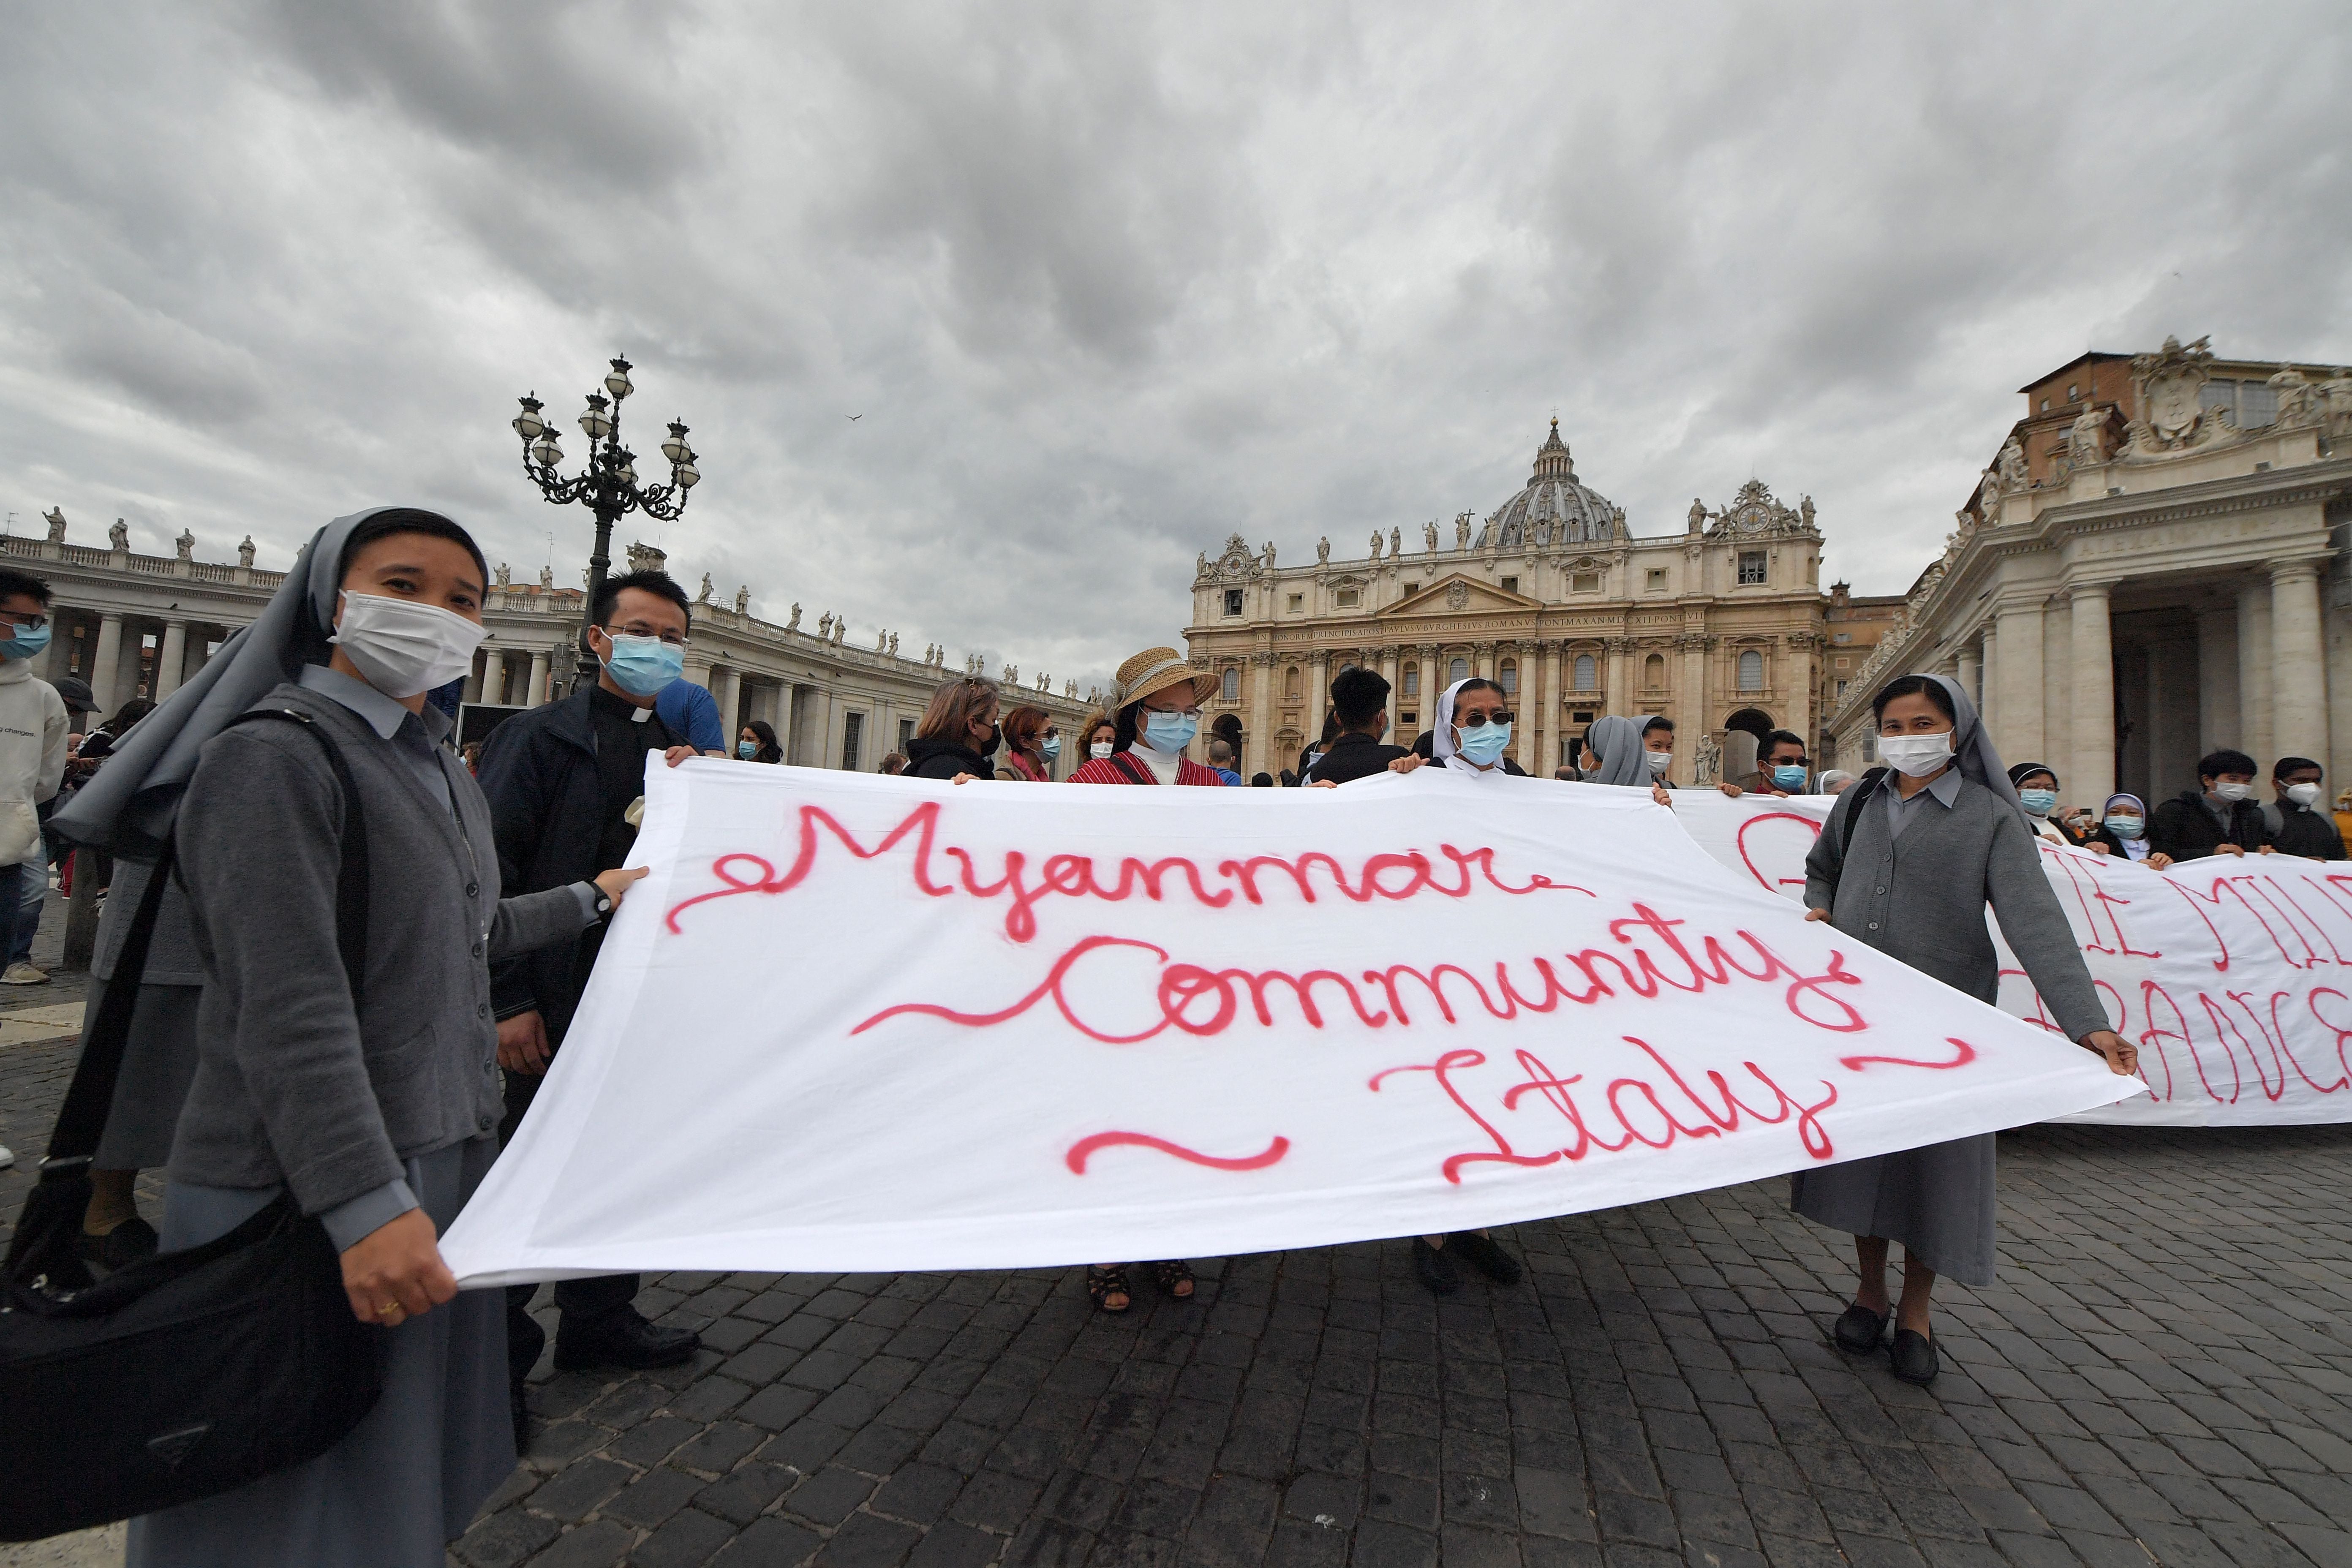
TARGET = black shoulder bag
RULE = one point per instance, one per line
(189, 1373)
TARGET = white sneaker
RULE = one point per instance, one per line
(24, 975)
(7, 1156)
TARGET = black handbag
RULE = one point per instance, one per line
(191, 1372)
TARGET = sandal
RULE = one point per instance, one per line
(1174, 1278)
(1104, 1280)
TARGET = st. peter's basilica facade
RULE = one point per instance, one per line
(1723, 627)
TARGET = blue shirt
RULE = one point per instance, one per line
(1228, 774)
(690, 710)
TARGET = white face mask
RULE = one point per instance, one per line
(2302, 794)
(405, 646)
(1099, 749)
(1917, 755)
(2224, 790)
(1657, 761)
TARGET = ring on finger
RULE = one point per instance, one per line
(390, 1311)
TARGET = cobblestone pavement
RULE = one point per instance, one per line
(2163, 1373)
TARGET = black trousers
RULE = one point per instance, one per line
(579, 1301)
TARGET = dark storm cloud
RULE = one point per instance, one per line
(1107, 284)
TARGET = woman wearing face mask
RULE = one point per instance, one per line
(1930, 839)
(2122, 832)
(1158, 713)
(2037, 795)
(1158, 700)
(958, 734)
(756, 743)
(1031, 744)
(298, 1091)
(1633, 754)
(1471, 732)
(1097, 739)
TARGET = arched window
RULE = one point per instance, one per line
(1458, 670)
(1653, 673)
(1412, 680)
(1588, 673)
(1231, 687)
(1508, 677)
(1290, 683)
(1751, 671)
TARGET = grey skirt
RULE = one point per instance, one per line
(411, 1475)
(158, 1065)
(1938, 1201)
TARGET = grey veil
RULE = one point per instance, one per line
(1617, 742)
(131, 805)
(1972, 748)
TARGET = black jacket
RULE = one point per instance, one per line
(1424, 745)
(2302, 831)
(2185, 829)
(1351, 756)
(539, 773)
(941, 759)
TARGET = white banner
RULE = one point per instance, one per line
(2232, 976)
(865, 1024)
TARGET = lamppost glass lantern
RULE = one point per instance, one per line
(607, 484)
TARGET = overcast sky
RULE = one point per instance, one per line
(1107, 283)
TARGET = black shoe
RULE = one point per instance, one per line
(520, 1406)
(1860, 1329)
(1915, 1357)
(1435, 1267)
(620, 1338)
(123, 1245)
(1481, 1253)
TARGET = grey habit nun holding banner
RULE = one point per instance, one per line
(1913, 882)
(366, 1113)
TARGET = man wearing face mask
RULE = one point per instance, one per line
(32, 737)
(2295, 823)
(565, 782)
(2218, 818)
(1781, 766)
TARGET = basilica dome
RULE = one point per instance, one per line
(1555, 508)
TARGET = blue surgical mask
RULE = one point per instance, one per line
(1169, 732)
(2038, 801)
(25, 644)
(642, 666)
(1790, 775)
(1050, 747)
(747, 750)
(2127, 827)
(1486, 744)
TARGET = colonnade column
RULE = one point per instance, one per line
(1555, 706)
(2021, 687)
(168, 658)
(540, 660)
(106, 664)
(729, 693)
(1388, 674)
(1318, 693)
(1969, 672)
(1691, 702)
(1259, 742)
(2298, 665)
(2093, 677)
(2256, 667)
(1990, 680)
(473, 677)
(1616, 684)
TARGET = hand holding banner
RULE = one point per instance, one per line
(856, 1023)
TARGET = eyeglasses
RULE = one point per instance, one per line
(1479, 720)
(27, 623)
(642, 629)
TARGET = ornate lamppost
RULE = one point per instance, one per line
(608, 485)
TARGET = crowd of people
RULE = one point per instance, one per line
(375, 1083)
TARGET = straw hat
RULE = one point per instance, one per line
(1157, 670)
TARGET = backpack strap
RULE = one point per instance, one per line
(1136, 772)
(81, 1121)
(1865, 788)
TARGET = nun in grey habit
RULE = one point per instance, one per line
(362, 1130)
(1913, 882)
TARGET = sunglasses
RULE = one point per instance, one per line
(1479, 720)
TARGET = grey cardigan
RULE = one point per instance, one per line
(1921, 897)
(291, 1087)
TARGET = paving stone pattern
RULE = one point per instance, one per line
(2164, 1373)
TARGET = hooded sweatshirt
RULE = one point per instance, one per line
(32, 754)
